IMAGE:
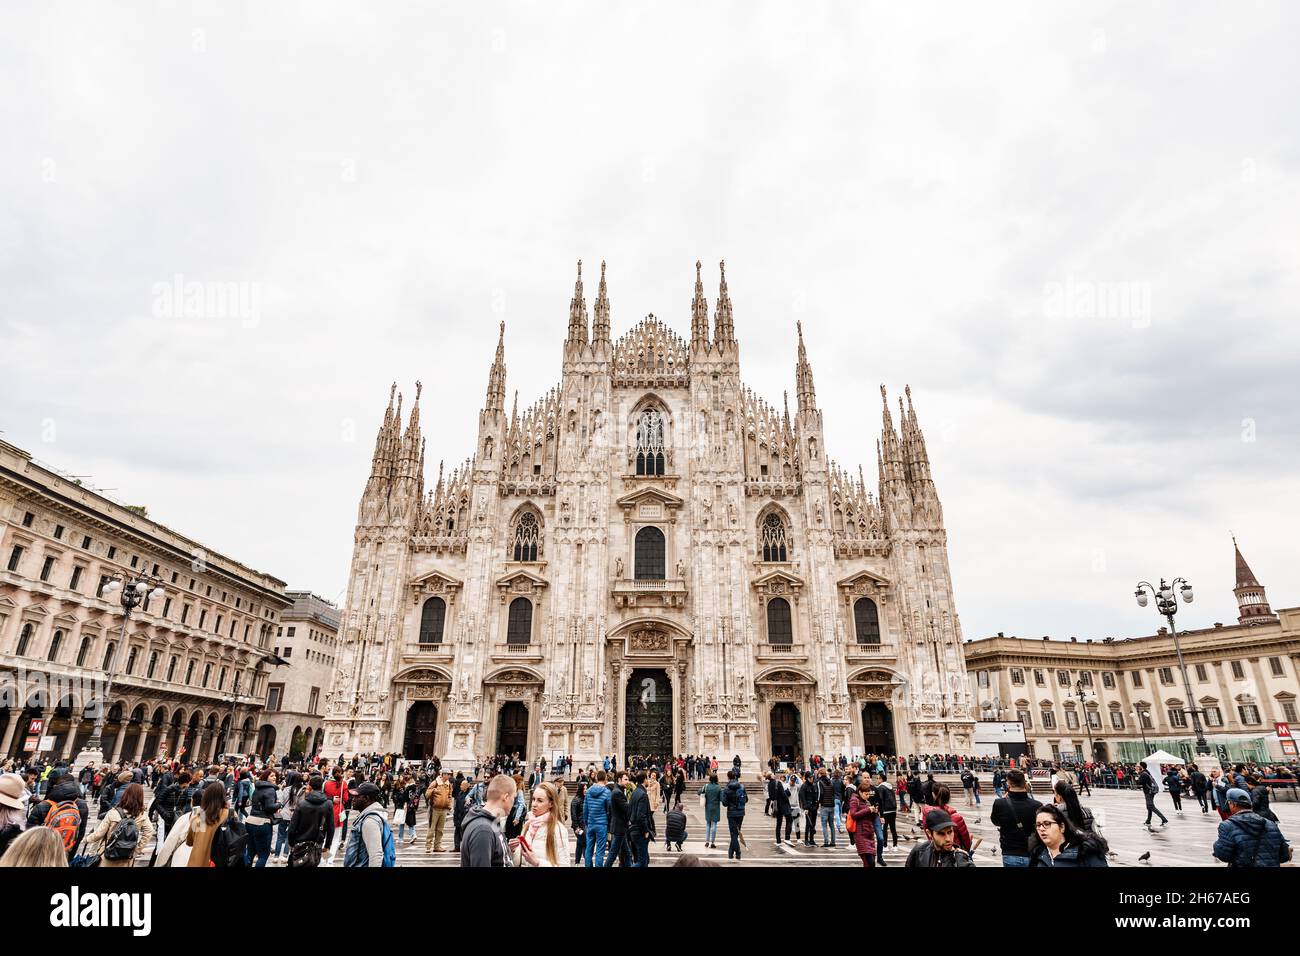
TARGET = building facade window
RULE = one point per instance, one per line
(527, 537)
(779, 627)
(1063, 678)
(83, 652)
(1117, 719)
(432, 620)
(1201, 676)
(1026, 718)
(773, 538)
(1213, 717)
(1137, 678)
(650, 554)
(1238, 671)
(650, 443)
(15, 557)
(1071, 720)
(982, 679)
(1049, 720)
(55, 641)
(519, 625)
(866, 621)
(1108, 680)
(1038, 679)
(1166, 676)
(1017, 676)
(1275, 666)
(47, 567)
(1249, 713)
(1288, 711)
(1177, 718)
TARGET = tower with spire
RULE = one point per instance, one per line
(650, 520)
(1252, 602)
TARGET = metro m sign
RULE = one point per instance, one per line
(1283, 731)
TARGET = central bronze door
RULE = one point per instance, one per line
(649, 705)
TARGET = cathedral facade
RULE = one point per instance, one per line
(649, 559)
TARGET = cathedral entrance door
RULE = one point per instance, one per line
(649, 705)
(512, 729)
(421, 726)
(877, 729)
(786, 737)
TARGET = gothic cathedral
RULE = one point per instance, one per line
(650, 559)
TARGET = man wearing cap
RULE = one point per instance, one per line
(1248, 839)
(365, 804)
(939, 848)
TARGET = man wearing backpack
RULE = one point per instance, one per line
(1149, 790)
(64, 811)
(369, 838)
(439, 797)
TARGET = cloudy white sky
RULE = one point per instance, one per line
(1072, 229)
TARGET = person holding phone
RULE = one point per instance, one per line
(544, 840)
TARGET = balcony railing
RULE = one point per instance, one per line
(517, 651)
(430, 650)
(855, 651)
(783, 650)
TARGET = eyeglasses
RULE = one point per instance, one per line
(1043, 824)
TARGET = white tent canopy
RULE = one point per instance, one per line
(1154, 761)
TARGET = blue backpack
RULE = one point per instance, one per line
(356, 854)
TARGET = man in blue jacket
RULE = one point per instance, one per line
(595, 813)
(1247, 839)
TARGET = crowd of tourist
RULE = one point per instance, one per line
(507, 811)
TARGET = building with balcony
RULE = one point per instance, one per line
(1128, 694)
(190, 671)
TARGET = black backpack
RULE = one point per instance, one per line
(230, 843)
(123, 841)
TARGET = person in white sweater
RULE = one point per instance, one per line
(545, 839)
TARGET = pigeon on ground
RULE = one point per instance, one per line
(1144, 857)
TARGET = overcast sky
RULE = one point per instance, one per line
(1073, 233)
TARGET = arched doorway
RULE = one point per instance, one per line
(512, 728)
(877, 729)
(787, 735)
(421, 728)
(265, 740)
(649, 709)
(153, 741)
(318, 742)
(1101, 752)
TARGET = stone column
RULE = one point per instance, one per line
(671, 671)
(118, 742)
(14, 717)
(139, 747)
(619, 745)
(72, 739)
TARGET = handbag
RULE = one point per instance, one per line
(304, 854)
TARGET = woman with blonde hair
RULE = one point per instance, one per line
(544, 840)
(39, 846)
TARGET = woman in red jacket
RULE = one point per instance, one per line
(863, 814)
(961, 833)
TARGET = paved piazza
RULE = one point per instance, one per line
(1185, 842)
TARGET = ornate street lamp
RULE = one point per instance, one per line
(1142, 716)
(1167, 605)
(1085, 696)
(132, 591)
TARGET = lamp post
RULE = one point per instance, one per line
(1142, 726)
(132, 592)
(1167, 605)
(274, 659)
(1083, 696)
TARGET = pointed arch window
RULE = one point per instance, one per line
(83, 652)
(650, 554)
(519, 627)
(53, 655)
(432, 620)
(650, 442)
(779, 627)
(153, 664)
(773, 538)
(527, 537)
(109, 653)
(866, 621)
